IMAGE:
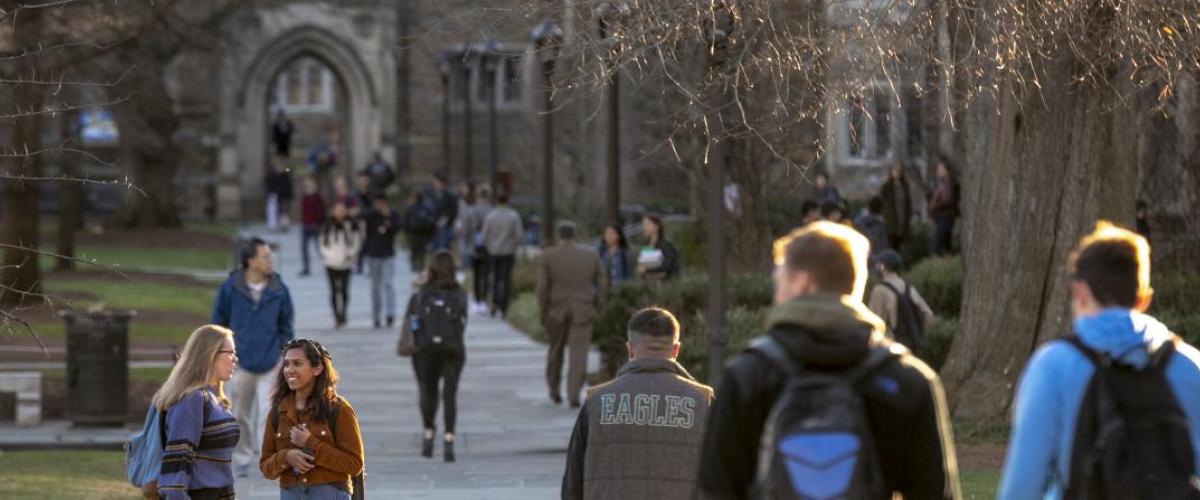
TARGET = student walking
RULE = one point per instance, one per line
(943, 209)
(256, 305)
(435, 322)
(312, 444)
(570, 290)
(339, 244)
(892, 435)
(445, 206)
(278, 184)
(502, 231)
(614, 256)
(420, 223)
(312, 214)
(382, 225)
(897, 206)
(200, 432)
(639, 435)
(1112, 410)
(659, 260)
(901, 306)
(473, 221)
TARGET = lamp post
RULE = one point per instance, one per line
(723, 23)
(444, 68)
(465, 62)
(610, 14)
(547, 38)
(491, 67)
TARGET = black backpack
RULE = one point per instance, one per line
(1131, 436)
(359, 482)
(910, 324)
(439, 319)
(817, 441)
(420, 220)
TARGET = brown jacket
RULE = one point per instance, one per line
(570, 281)
(884, 303)
(335, 463)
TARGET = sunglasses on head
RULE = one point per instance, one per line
(300, 343)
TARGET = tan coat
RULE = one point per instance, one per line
(884, 303)
(571, 282)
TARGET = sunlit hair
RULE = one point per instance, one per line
(195, 368)
(324, 393)
(834, 255)
(1115, 264)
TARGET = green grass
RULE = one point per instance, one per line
(135, 295)
(119, 258)
(216, 228)
(979, 484)
(137, 331)
(977, 434)
(66, 475)
(153, 375)
(525, 315)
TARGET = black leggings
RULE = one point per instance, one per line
(431, 366)
(339, 291)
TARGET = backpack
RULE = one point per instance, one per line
(817, 441)
(1131, 436)
(439, 319)
(359, 482)
(143, 452)
(910, 324)
(421, 219)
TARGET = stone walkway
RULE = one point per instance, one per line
(511, 440)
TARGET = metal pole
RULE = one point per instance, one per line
(493, 95)
(468, 143)
(548, 158)
(446, 125)
(718, 331)
(613, 195)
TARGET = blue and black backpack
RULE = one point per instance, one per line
(143, 452)
(817, 441)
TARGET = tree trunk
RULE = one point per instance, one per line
(1041, 168)
(147, 125)
(70, 198)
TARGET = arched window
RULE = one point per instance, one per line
(304, 86)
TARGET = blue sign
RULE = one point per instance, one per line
(97, 128)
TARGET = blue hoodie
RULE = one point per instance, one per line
(260, 329)
(1051, 390)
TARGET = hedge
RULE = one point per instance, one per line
(939, 281)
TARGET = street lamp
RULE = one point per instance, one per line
(444, 67)
(465, 59)
(719, 33)
(491, 74)
(547, 38)
(609, 16)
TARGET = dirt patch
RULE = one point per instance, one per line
(981, 457)
(54, 400)
(154, 238)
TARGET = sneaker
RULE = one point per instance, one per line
(390, 321)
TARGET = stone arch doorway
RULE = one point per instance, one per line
(360, 132)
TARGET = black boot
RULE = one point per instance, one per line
(448, 449)
(427, 447)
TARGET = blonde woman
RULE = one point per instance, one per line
(200, 431)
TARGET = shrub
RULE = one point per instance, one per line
(1175, 294)
(916, 246)
(524, 277)
(939, 281)
(939, 335)
(743, 326)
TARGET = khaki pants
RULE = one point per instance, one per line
(250, 394)
(565, 332)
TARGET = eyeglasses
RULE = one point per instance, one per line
(295, 343)
(232, 354)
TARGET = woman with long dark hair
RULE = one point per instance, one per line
(312, 444)
(436, 319)
(659, 260)
(339, 242)
(614, 256)
(943, 208)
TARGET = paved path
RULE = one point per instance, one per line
(511, 440)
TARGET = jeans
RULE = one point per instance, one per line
(339, 292)
(502, 268)
(943, 235)
(250, 395)
(443, 237)
(318, 492)
(434, 365)
(383, 292)
(273, 211)
(306, 235)
(479, 274)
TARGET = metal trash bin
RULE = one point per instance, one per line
(97, 366)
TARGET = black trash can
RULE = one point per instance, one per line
(97, 366)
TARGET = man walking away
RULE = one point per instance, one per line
(281, 134)
(571, 287)
(1121, 372)
(256, 305)
(446, 207)
(824, 386)
(899, 304)
(420, 222)
(381, 174)
(502, 235)
(312, 215)
(274, 184)
(380, 252)
(473, 233)
(639, 435)
(872, 225)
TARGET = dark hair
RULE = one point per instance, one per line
(828, 207)
(249, 250)
(653, 322)
(440, 177)
(502, 198)
(324, 393)
(1114, 263)
(621, 241)
(823, 174)
(377, 196)
(441, 271)
(658, 223)
(566, 231)
(1141, 205)
(808, 206)
(875, 206)
(824, 250)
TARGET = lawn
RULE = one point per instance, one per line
(979, 484)
(138, 331)
(39, 475)
(140, 295)
(120, 257)
(152, 375)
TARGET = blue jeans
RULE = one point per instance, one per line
(443, 238)
(318, 492)
(306, 235)
(383, 293)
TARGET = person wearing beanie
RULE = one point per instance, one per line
(898, 303)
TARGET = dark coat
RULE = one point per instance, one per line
(260, 329)
(897, 206)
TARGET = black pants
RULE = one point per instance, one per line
(943, 235)
(434, 365)
(480, 273)
(339, 292)
(306, 234)
(502, 268)
(417, 244)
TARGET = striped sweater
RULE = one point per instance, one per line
(201, 435)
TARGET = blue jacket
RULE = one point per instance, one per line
(1051, 390)
(259, 329)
